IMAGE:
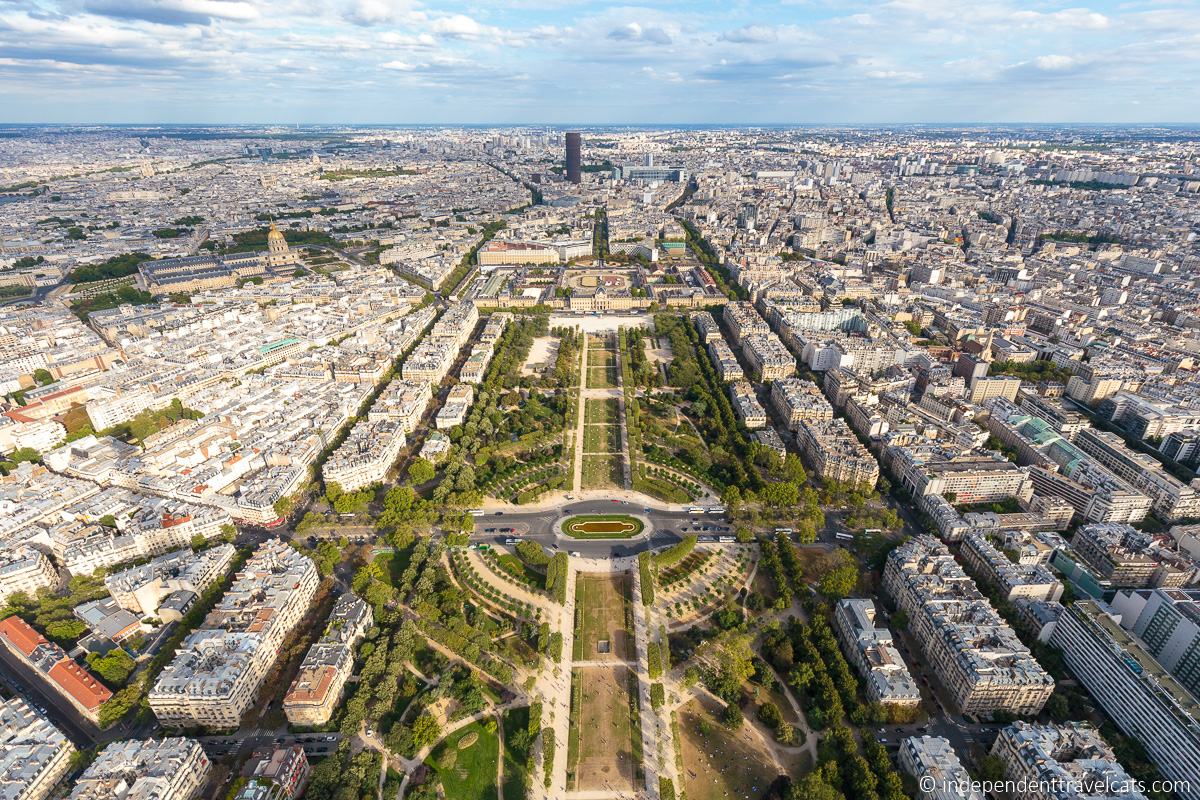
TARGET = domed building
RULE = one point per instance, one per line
(278, 252)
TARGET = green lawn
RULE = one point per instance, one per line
(468, 773)
(600, 358)
(603, 410)
(602, 377)
(601, 472)
(521, 571)
(601, 439)
(516, 753)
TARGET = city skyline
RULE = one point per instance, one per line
(584, 63)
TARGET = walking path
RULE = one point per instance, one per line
(556, 703)
(654, 760)
(577, 472)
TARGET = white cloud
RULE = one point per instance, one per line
(458, 26)
(751, 34)
(1055, 62)
(399, 66)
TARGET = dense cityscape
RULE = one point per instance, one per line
(804, 463)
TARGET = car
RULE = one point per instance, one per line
(489, 530)
(615, 500)
(499, 513)
(575, 553)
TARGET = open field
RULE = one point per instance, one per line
(600, 612)
(601, 324)
(601, 439)
(601, 472)
(598, 343)
(658, 350)
(602, 526)
(466, 763)
(601, 377)
(600, 410)
(719, 763)
(542, 354)
(601, 358)
(601, 730)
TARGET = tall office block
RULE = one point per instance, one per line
(574, 163)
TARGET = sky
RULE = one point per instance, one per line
(574, 61)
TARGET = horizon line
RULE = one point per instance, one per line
(527, 123)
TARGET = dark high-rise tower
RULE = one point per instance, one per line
(574, 164)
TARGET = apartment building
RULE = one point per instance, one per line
(25, 569)
(968, 477)
(278, 774)
(1167, 623)
(983, 665)
(799, 401)
(1126, 558)
(835, 454)
(874, 655)
(49, 665)
(366, 454)
(1029, 581)
(1054, 762)
(458, 403)
(219, 668)
(707, 327)
(743, 320)
(1062, 469)
(494, 329)
(402, 400)
(751, 412)
(981, 390)
(183, 574)
(34, 755)
(1172, 499)
(728, 368)
(767, 356)
(317, 689)
(934, 757)
(1144, 700)
(173, 768)
(476, 364)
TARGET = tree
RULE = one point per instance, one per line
(421, 471)
(113, 668)
(22, 454)
(729, 660)
(425, 731)
(42, 377)
(840, 581)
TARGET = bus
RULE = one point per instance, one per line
(783, 530)
(845, 537)
(695, 510)
(726, 539)
(715, 510)
(476, 512)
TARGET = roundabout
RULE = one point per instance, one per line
(602, 526)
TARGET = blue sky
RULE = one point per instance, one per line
(573, 61)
